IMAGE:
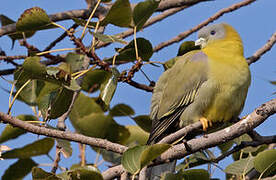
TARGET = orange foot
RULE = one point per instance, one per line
(205, 123)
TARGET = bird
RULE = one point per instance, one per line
(208, 85)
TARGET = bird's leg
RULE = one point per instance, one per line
(205, 123)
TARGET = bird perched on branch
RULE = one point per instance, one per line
(208, 85)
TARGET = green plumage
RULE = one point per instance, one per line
(210, 83)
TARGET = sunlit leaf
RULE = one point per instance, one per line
(19, 169)
(143, 11)
(120, 14)
(39, 147)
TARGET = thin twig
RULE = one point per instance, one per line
(183, 35)
(57, 159)
(60, 38)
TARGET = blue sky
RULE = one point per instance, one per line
(255, 23)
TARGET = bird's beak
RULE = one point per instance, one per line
(201, 42)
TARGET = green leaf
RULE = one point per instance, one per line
(191, 174)
(137, 136)
(168, 64)
(187, 46)
(17, 35)
(54, 100)
(33, 68)
(93, 125)
(75, 61)
(131, 159)
(265, 162)
(119, 14)
(40, 174)
(109, 156)
(152, 152)
(128, 54)
(84, 172)
(30, 92)
(83, 106)
(134, 159)
(143, 11)
(40, 147)
(19, 169)
(224, 147)
(273, 82)
(66, 148)
(193, 160)
(184, 48)
(108, 38)
(33, 19)
(108, 89)
(93, 80)
(144, 122)
(121, 110)
(11, 132)
(240, 167)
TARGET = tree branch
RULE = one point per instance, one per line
(249, 123)
(79, 13)
(256, 56)
(96, 142)
(183, 35)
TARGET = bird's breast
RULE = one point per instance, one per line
(231, 81)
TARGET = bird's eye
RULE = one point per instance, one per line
(213, 32)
